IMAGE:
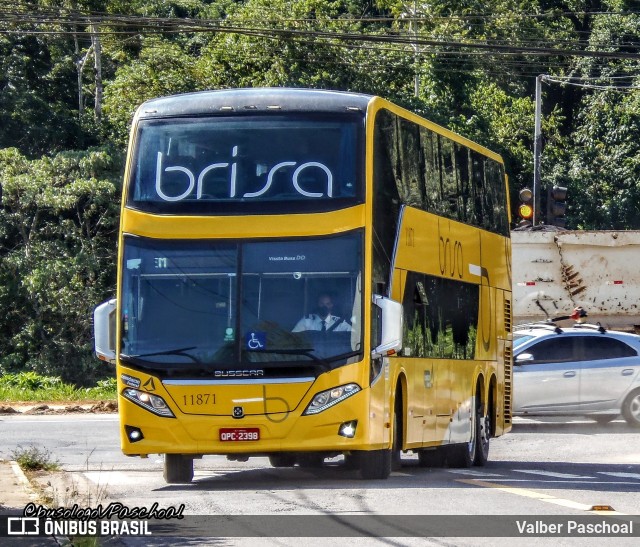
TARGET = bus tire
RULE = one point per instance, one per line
(375, 464)
(351, 462)
(178, 468)
(431, 457)
(282, 459)
(311, 461)
(462, 455)
(483, 435)
(396, 449)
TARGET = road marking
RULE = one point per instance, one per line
(552, 474)
(546, 498)
(621, 475)
(569, 482)
(564, 477)
(108, 478)
(473, 473)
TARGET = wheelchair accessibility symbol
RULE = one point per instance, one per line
(256, 340)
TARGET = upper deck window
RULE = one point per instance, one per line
(246, 165)
(421, 168)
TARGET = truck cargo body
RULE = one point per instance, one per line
(555, 272)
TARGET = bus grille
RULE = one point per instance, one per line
(507, 383)
(507, 315)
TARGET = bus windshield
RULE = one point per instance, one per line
(209, 304)
(247, 164)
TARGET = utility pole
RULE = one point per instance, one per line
(97, 56)
(537, 150)
(413, 29)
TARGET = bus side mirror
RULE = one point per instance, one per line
(104, 325)
(390, 326)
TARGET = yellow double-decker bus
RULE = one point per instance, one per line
(304, 274)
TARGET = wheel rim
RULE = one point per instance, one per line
(471, 445)
(634, 408)
(485, 433)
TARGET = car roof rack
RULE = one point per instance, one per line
(597, 327)
(549, 325)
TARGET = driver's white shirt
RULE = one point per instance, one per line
(314, 322)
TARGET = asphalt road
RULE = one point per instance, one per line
(542, 468)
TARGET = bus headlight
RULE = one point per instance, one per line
(326, 399)
(152, 403)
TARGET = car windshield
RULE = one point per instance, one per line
(519, 339)
(203, 304)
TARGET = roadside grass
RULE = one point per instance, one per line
(61, 489)
(33, 458)
(32, 387)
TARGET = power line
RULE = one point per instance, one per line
(627, 89)
(157, 25)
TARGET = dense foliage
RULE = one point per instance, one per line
(72, 73)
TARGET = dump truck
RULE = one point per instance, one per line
(597, 273)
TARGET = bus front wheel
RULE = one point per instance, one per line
(311, 461)
(375, 464)
(283, 459)
(178, 468)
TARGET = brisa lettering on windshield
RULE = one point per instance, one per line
(198, 183)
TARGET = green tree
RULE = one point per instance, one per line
(163, 68)
(57, 240)
(602, 165)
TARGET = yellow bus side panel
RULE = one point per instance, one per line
(437, 246)
(239, 227)
(440, 391)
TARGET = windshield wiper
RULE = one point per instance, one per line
(177, 351)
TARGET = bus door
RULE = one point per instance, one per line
(422, 404)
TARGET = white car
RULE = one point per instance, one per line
(582, 370)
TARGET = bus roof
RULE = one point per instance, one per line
(281, 99)
(253, 100)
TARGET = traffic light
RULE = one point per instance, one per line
(525, 209)
(557, 206)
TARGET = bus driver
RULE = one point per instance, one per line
(323, 320)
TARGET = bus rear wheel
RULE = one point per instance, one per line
(178, 468)
(461, 455)
(484, 430)
(464, 454)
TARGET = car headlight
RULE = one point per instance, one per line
(326, 399)
(152, 403)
